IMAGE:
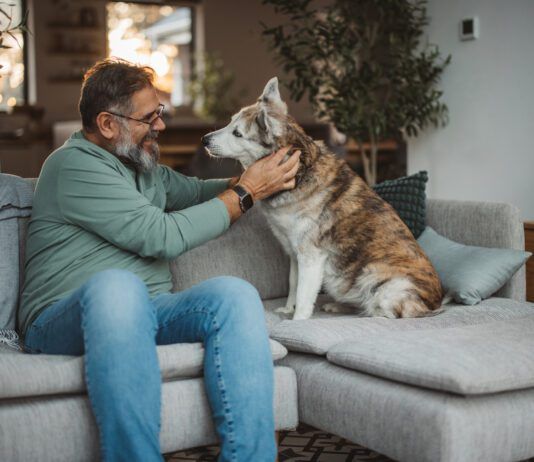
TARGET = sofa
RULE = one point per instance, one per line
(45, 414)
(454, 387)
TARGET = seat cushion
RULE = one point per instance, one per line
(320, 333)
(26, 374)
(470, 360)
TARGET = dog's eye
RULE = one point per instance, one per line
(236, 133)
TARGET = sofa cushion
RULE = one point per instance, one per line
(320, 333)
(470, 360)
(248, 250)
(407, 196)
(25, 374)
(468, 273)
(486, 224)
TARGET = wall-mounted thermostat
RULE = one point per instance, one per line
(469, 28)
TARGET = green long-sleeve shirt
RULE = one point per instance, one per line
(91, 212)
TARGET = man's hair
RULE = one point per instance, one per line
(109, 85)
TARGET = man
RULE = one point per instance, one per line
(106, 219)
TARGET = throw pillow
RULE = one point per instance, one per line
(470, 274)
(407, 196)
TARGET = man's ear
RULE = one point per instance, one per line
(107, 125)
(271, 95)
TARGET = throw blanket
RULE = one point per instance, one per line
(16, 196)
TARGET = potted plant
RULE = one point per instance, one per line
(363, 66)
(7, 28)
(212, 89)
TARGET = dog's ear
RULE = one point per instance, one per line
(271, 95)
(261, 120)
(269, 127)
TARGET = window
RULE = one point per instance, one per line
(12, 90)
(157, 36)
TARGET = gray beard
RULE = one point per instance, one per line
(134, 154)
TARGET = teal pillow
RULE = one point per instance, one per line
(470, 274)
(407, 196)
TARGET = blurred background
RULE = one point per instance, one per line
(214, 56)
(210, 58)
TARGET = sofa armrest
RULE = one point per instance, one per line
(484, 224)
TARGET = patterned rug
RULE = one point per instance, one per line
(305, 444)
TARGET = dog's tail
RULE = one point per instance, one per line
(446, 300)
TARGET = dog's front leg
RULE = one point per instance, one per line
(292, 297)
(309, 280)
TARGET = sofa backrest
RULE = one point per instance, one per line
(15, 208)
(247, 250)
(250, 251)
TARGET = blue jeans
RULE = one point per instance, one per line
(112, 320)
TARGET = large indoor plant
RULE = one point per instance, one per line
(363, 66)
(8, 28)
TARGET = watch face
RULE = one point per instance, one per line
(247, 201)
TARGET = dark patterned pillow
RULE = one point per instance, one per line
(407, 196)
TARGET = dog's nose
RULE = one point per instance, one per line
(205, 140)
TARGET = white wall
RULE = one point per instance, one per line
(487, 150)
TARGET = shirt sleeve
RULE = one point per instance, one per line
(185, 191)
(102, 201)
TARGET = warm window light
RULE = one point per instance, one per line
(158, 61)
(11, 57)
(155, 36)
(17, 75)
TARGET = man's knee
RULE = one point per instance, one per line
(116, 295)
(237, 298)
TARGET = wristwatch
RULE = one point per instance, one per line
(245, 199)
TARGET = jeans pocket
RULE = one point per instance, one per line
(28, 345)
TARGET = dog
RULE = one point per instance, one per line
(338, 232)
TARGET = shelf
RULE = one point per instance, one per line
(54, 80)
(70, 54)
(74, 27)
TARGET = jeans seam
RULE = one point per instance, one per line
(229, 419)
(87, 381)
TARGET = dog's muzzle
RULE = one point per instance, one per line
(205, 140)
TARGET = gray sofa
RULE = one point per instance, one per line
(454, 387)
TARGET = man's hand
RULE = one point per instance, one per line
(268, 175)
(262, 179)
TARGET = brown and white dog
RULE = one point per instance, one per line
(337, 231)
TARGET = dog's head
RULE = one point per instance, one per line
(254, 132)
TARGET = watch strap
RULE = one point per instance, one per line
(245, 198)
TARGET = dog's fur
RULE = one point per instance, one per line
(337, 231)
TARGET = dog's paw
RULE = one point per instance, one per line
(300, 316)
(336, 307)
(285, 309)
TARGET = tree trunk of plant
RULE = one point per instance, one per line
(374, 158)
(367, 167)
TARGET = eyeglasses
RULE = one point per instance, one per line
(157, 115)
